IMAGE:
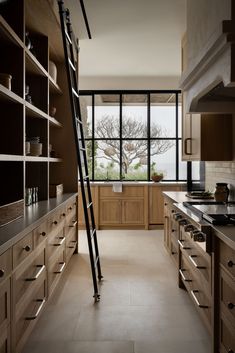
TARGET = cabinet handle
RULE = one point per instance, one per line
(186, 146)
(2, 273)
(173, 253)
(40, 270)
(61, 268)
(196, 300)
(27, 248)
(63, 214)
(191, 258)
(55, 222)
(182, 245)
(70, 208)
(62, 239)
(42, 301)
(43, 234)
(73, 224)
(231, 306)
(231, 263)
(183, 276)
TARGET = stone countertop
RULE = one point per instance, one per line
(224, 233)
(34, 215)
(137, 183)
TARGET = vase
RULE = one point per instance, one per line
(221, 192)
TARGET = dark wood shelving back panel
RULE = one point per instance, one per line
(13, 13)
(37, 176)
(38, 127)
(11, 182)
(38, 90)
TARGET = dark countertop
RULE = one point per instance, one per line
(224, 233)
(34, 215)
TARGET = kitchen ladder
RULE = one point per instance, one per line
(70, 50)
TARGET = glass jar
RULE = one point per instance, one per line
(221, 192)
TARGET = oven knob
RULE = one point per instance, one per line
(183, 221)
(188, 227)
(199, 236)
(177, 216)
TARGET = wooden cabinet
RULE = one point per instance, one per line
(27, 106)
(207, 137)
(156, 202)
(5, 298)
(125, 210)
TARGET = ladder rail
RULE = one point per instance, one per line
(68, 40)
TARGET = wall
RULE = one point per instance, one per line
(125, 83)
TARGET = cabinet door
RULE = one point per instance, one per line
(195, 137)
(133, 211)
(186, 140)
(110, 212)
(156, 202)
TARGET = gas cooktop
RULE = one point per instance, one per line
(218, 213)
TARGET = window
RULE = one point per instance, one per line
(131, 134)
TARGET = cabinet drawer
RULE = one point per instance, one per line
(227, 336)
(227, 258)
(185, 273)
(25, 321)
(57, 220)
(227, 295)
(5, 265)
(127, 191)
(71, 242)
(5, 341)
(71, 209)
(174, 251)
(56, 241)
(40, 234)
(22, 249)
(4, 305)
(27, 279)
(56, 267)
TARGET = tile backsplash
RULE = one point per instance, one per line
(221, 172)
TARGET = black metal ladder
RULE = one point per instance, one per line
(70, 50)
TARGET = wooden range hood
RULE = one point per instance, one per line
(209, 81)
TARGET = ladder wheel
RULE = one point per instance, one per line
(96, 297)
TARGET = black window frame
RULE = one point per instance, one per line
(148, 93)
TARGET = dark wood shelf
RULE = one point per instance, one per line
(11, 158)
(53, 87)
(33, 66)
(9, 96)
(8, 35)
(34, 112)
(55, 160)
(36, 159)
(54, 122)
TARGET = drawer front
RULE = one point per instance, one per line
(227, 295)
(175, 251)
(127, 191)
(227, 258)
(5, 265)
(71, 242)
(186, 273)
(56, 241)
(71, 210)
(22, 249)
(56, 267)
(57, 220)
(4, 305)
(26, 280)
(227, 336)
(40, 234)
(5, 341)
(26, 320)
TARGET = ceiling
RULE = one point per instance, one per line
(131, 37)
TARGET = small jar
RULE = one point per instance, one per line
(221, 192)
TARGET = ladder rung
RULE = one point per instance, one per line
(86, 177)
(92, 233)
(68, 37)
(75, 93)
(89, 205)
(96, 260)
(72, 66)
(79, 121)
(82, 149)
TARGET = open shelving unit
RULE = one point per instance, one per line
(22, 118)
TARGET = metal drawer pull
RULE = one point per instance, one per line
(61, 268)
(182, 245)
(42, 301)
(183, 276)
(55, 222)
(231, 306)
(186, 146)
(72, 246)
(61, 241)
(73, 224)
(231, 263)
(40, 270)
(27, 248)
(191, 258)
(63, 214)
(2, 272)
(196, 300)
(43, 234)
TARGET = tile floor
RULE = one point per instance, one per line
(141, 309)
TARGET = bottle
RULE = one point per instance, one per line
(221, 192)
(28, 196)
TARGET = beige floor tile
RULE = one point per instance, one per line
(172, 346)
(100, 347)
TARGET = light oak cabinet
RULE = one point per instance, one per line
(207, 137)
(110, 212)
(156, 202)
(5, 298)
